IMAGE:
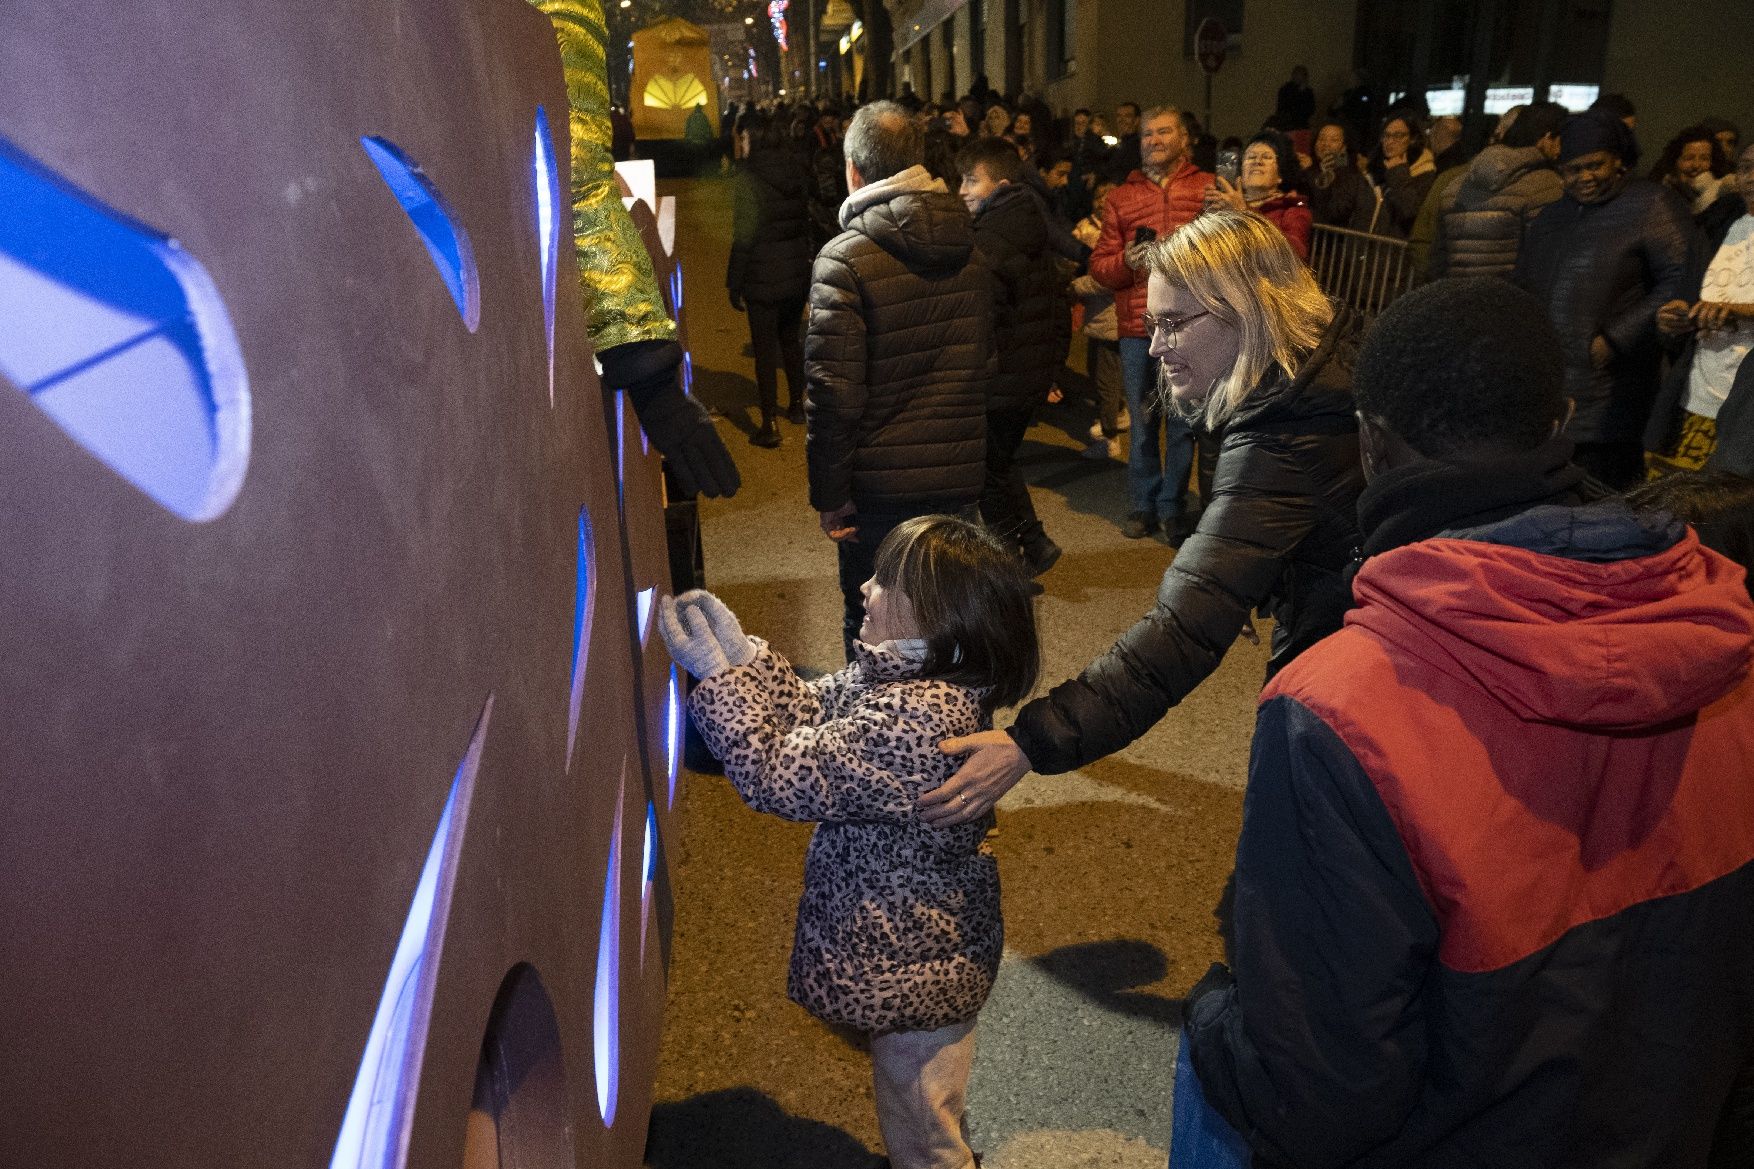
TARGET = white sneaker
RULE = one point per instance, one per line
(1096, 430)
(1124, 421)
(1117, 450)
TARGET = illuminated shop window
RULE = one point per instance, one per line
(682, 92)
(380, 1110)
(446, 241)
(118, 334)
(674, 713)
(584, 606)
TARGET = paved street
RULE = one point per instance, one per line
(1110, 874)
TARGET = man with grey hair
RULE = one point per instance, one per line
(899, 357)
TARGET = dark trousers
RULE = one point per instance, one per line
(1619, 465)
(1006, 508)
(775, 332)
(858, 559)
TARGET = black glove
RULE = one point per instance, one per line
(676, 424)
(736, 301)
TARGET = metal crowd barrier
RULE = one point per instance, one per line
(1359, 269)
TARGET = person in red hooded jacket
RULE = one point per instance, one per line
(1164, 193)
(1496, 873)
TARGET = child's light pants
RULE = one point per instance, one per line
(921, 1079)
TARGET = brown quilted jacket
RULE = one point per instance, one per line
(899, 924)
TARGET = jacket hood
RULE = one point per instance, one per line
(1321, 386)
(779, 169)
(1016, 213)
(1498, 166)
(914, 217)
(1594, 617)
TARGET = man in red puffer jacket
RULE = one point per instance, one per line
(1164, 193)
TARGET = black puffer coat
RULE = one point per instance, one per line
(899, 356)
(1030, 317)
(1486, 212)
(1278, 533)
(1604, 269)
(770, 240)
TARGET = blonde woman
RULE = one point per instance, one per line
(1247, 344)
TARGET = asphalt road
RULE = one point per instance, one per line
(1110, 874)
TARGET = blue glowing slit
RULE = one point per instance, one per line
(547, 237)
(584, 607)
(649, 867)
(119, 335)
(446, 241)
(380, 1111)
(643, 612)
(673, 732)
(606, 996)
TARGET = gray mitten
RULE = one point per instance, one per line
(690, 639)
(739, 650)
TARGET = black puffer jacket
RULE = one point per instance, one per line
(1031, 324)
(1604, 269)
(1486, 212)
(899, 356)
(1278, 533)
(770, 240)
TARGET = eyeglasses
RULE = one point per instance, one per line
(1168, 327)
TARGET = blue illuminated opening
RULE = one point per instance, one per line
(649, 867)
(584, 606)
(673, 731)
(643, 611)
(620, 441)
(606, 996)
(380, 1110)
(547, 237)
(676, 292)
(119, 335)
(446, 241)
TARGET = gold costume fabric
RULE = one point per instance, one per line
(1694, 444)
(622, 301)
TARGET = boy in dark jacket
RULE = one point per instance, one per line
(1031, 326)
(1497, 859)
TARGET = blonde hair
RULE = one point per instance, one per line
(1240, 268)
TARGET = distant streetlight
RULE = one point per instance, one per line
(627, 3)
(748, 20)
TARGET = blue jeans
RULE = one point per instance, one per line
(1157, 484)
(1200, 1138)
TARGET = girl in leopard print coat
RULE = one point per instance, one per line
(899, 930)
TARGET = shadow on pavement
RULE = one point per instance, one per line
(741, 1128)
(729, 394)
(1106, 972)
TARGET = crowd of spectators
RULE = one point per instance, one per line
(1502, 457)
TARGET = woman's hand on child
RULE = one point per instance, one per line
(688, 632)
(994, 765)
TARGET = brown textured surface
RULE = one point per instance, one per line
(1110, 874)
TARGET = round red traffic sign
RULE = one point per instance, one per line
(1209, 41)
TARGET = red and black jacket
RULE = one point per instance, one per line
(1495, 884)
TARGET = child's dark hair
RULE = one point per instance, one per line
(972, 601)
(1719, 505)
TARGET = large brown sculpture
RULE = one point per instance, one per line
(336, 776)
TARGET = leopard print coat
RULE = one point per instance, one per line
(899, 925)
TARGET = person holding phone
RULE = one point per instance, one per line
(1163, 194)
(1265, 179)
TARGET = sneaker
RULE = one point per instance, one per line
(1124, 421)
(1138, 526)
(1096, 429)
(1177, 530)
(768, 436)
(1117, 450)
